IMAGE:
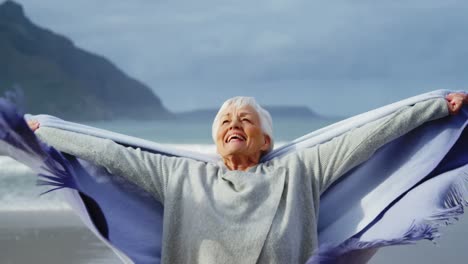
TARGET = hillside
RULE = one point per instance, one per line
(61, 79)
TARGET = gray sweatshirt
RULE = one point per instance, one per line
(267, 214)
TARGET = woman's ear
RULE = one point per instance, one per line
(266, 145)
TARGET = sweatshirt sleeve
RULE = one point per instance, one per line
(328, 161)
(147, 170)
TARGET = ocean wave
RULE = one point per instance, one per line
(206, 148)
(12, 168)
(19, 192)
(202, 148)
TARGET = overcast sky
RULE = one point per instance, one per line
(337, 57)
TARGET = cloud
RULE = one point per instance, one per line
(274, 49)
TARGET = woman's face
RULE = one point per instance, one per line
(240, 132)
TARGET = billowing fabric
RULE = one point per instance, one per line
(424, 168)
(266, 214)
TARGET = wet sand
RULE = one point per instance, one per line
(49, 237)
(59, 237)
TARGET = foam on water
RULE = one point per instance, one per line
(202, 148)
(19, 192)
(206, 148)
(11, 167)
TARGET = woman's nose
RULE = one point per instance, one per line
(235, 123)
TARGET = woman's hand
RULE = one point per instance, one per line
(33, 124)
(455, 102)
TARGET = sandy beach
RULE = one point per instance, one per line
(53, 237)
(58, 237)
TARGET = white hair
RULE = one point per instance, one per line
(266, 122)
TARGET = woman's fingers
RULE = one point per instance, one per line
(455, 102)
(454, 109)
(33, 125)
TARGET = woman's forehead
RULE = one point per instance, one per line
(243, 110)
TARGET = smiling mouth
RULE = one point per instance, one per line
(235, 137)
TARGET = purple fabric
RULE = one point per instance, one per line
(125, 215)
(434, 155)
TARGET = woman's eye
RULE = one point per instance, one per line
(245, 119)
(224, 122)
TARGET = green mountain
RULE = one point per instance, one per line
(61, 79)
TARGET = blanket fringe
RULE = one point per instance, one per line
(14, 131)
(60, 171)
(455, 200)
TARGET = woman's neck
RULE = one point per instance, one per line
(242, 163)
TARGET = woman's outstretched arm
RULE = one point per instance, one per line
(330, 160)
(147, 170)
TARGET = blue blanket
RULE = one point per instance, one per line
(399, 196)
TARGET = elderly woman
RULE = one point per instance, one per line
(241, 210)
